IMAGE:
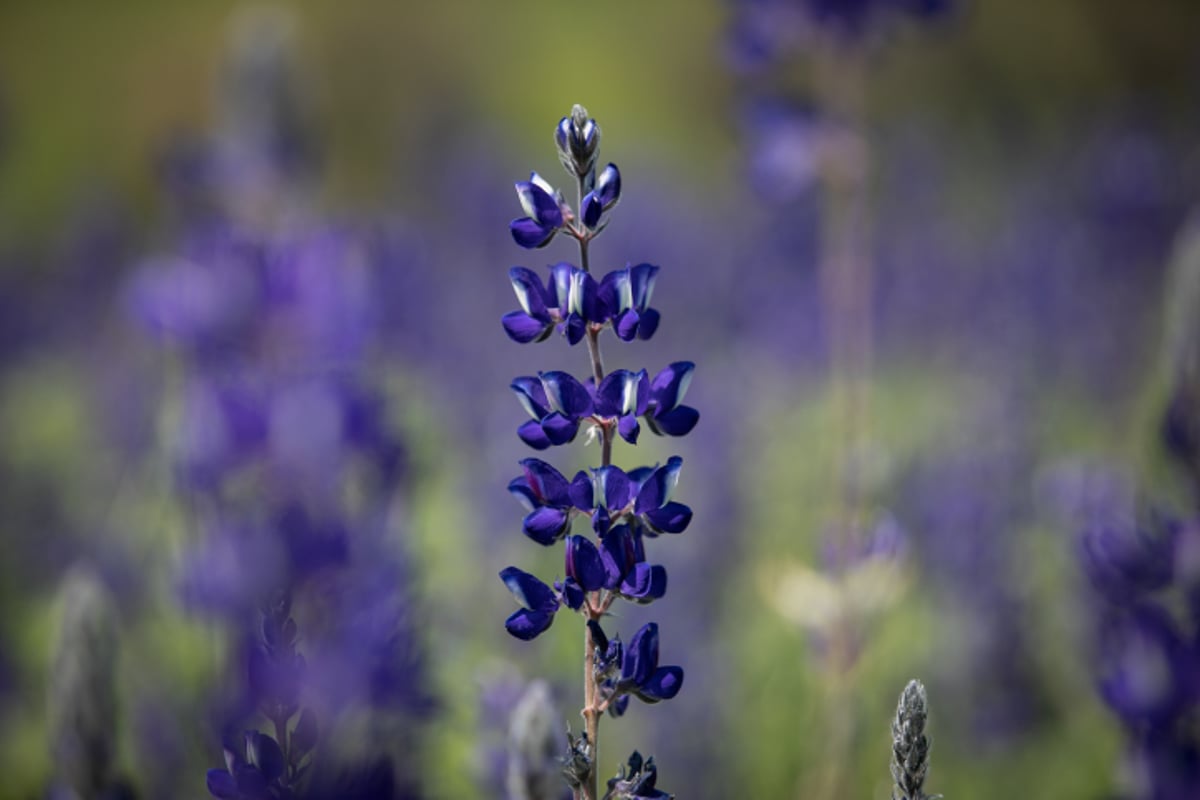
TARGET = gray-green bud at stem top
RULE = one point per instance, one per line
(578, 141)
(83, 687)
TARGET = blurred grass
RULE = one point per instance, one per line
(789, 699)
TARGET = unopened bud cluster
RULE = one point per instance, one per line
(578, 140)
(910, 745)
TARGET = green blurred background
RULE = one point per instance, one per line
(1003, 93)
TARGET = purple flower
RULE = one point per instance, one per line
(1146, 669)
(557, 402)
(626, 571)
(765, 30)
(580, 305)
(784, 151)
(538, 604)
(627, 294)
(665, 415)
(570, 299)
(640, 673)
(614, 494)
(654, 507)
(544, 215)
(1124, 562)
(641, 498)
(633, 669)
(534, 322)
(598, 201)
(623, 396)
(584, 564)
(550, 499)
(256, 776)
(644, 583)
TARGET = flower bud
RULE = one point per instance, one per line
(83, 687)
(910, 745)
(578, 141)
(534, 766)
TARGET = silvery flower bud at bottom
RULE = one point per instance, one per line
(910, 745)
(534, 763)
(82, 701)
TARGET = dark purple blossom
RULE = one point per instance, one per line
(665, 414)
(538, 603)
(601, 199)
(550, 499)
(654, 507)
(640, 673)
(641, 498)
(535, 321)
(633, 669)
(579, 301)
(544, 214)
(557, 402)
(644, 583)
(627, 572)
(571, 299)
(626, 293)
(584, 564)
(614, 496)
(624, 396)
(256, 775)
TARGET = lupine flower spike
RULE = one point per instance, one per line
(625, 508)
(910, 745)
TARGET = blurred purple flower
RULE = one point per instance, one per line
(764, 31)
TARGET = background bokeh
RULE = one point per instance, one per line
(1032, 168)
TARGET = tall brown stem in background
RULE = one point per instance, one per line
(845, 270)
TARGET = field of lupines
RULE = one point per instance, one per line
(824, 401)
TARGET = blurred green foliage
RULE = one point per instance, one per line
(88, 94)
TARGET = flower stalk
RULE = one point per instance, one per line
(626, 509)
